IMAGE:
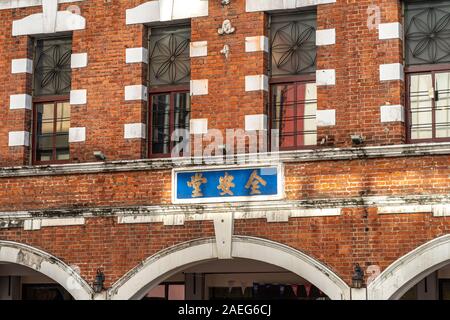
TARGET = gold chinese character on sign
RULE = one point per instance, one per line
(254, 183)
(196, 182)
(226, 183)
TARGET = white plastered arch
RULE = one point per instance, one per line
(410, 269)
(162, 265)
(48, 265)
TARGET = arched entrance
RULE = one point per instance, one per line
(27, 257)
(409, 270)
(137, 282)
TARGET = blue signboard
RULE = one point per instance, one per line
(224, 185)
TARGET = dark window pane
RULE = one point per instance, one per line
(52, 131)
(427, 32)
(294, 114)
(52, 72)
(169, 56)
(293, 44)
(161, 124)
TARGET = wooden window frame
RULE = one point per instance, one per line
(47, 100)
(172, 91)
(417, 70)
(300, 79)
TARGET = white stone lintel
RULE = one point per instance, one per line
(269, 5)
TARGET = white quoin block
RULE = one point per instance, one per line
(326, 118)
(392, 113)
(199, 87)
(21, 66)
(199, 126)
(77, 135)
(135, 131)
(20, 101)
(255, 122)
(326, 77)
(136, 92)
(19, 138)
(136, 55)
(392, 71)
(78, 60)
(257, 83)
(198, 49)
(392, 30)
(325, 37)
(255, 44)
(78, 96)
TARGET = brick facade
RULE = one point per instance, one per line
(360, 234)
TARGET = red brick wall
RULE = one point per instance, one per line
(356, 56)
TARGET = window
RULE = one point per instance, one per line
(169, 76)
(51, 110)
(293, 93)
(427, 57)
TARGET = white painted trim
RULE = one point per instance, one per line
(149, 273)
(35, 24)
(37, 224)
(14, 4)
(269, 5)
(166, 10)
(408, 270)
(280, 181)
(48, 265)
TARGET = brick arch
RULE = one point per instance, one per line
(48, 265)
(410, 269)
(148, 274)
